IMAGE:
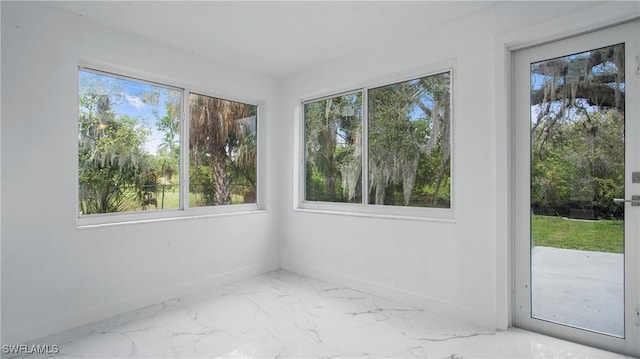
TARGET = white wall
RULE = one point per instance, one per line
(460, 268)
(56, 276)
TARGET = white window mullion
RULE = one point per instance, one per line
(184, 151)
(302, 191)
(365, 147)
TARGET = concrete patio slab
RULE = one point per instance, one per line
(582, 289)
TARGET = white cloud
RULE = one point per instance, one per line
(134, 101)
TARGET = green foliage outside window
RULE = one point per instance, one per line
(409, 154)
(409, 162)
(577, 136)
(129, 147)
(333, 137)
(117, 171)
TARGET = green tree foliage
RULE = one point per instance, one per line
(409, 155)
(168, 154)
(113, 166)
(244, 158)
(578, 135)
(581, 165)
(333, 136)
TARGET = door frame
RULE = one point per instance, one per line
(505, 44)
(520, 180)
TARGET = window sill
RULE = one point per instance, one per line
(112, 220)
(439, 215)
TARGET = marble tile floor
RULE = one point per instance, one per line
(284, 315)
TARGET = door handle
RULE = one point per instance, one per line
(635, 200)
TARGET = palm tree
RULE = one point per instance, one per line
(214, 134)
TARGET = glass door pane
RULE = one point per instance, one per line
(577, 169)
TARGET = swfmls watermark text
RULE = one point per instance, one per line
(30, 349)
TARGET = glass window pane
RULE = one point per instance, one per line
(333, 149)
(222, 151)
(577, 168)
(128, 153)
(409, 150)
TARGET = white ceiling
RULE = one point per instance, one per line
(277, 38)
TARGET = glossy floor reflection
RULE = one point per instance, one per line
(283, 315)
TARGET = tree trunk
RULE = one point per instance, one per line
(221, 194)
(443, 172)
(380, 194)
(331, 185)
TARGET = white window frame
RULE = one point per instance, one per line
(366, 209)
(184, 211)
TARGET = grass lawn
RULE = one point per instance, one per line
(172, 199)
(558, 232)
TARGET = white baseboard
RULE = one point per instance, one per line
(457, 312)
(82, 317)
